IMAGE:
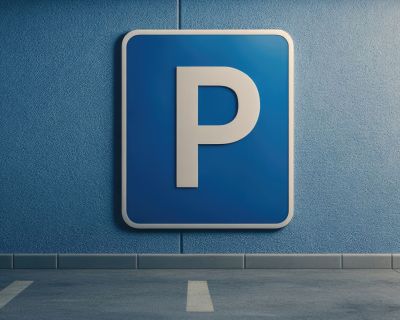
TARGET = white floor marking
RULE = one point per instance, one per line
(10, 292)
(198, 297)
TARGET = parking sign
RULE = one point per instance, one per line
(207, 129)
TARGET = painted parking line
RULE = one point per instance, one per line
(10, 292)
(198, 297)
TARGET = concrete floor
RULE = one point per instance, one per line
(235, 294)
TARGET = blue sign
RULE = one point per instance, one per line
(207, 129)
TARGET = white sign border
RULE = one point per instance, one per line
(289, 217)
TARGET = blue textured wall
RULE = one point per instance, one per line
(59, 124)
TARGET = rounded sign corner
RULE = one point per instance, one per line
(128, 221)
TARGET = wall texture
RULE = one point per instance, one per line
(59, 124)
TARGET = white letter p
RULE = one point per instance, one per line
(189, 134)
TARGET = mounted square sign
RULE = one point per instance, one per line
(207, 129)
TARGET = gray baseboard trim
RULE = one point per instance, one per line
(200, 261)
(293, 261)
(367, 261)
(97, 261)
(35, 261)
(396, 260)
(6, 261)
(191, 261)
